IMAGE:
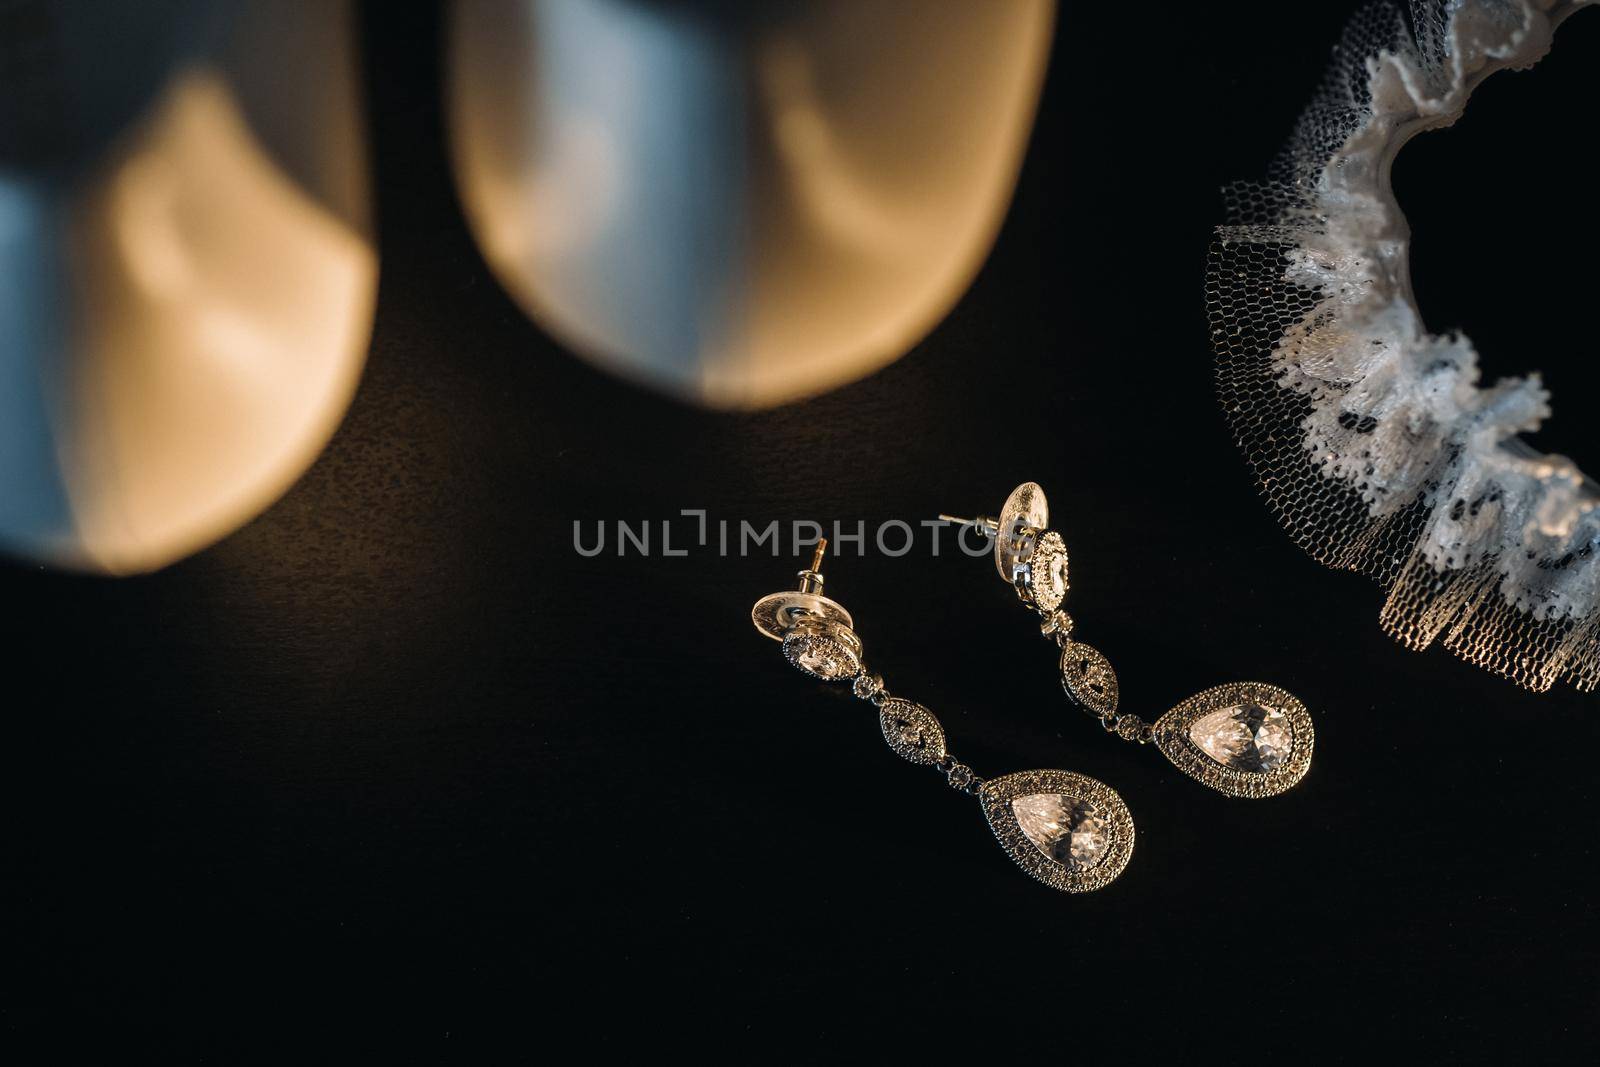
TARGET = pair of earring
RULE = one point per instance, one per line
(1073, 833)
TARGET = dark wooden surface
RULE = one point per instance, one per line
(393, 760)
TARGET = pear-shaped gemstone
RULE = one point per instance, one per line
(1247, 737)
(1067, 829)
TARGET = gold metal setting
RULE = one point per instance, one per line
(1088, 678)
(911, 731)
(823, 650)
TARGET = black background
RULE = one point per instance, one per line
(393, 761)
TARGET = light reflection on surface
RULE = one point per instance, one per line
(748, 208)
(227, 318)
(190, 329)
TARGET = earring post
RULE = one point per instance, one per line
(811, 577)
(983, 521)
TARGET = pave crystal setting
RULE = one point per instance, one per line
(1088, 678)
(824, 651)
(911, 731)
(1067, 830)
(1047, 572)
(1245, 739)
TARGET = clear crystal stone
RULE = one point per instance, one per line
(821, 655)
(1055, 576)
(1066, 829)
(1246, 737)
(1047, 572)
(819, 660)
(959, 775)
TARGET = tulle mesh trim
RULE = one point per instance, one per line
(1373, 441)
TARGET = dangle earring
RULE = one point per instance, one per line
(1245, 739)
(1067, 830)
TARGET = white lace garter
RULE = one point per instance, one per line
(1372, 439)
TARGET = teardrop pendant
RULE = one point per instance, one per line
(1245, 739)
(1068, 830)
